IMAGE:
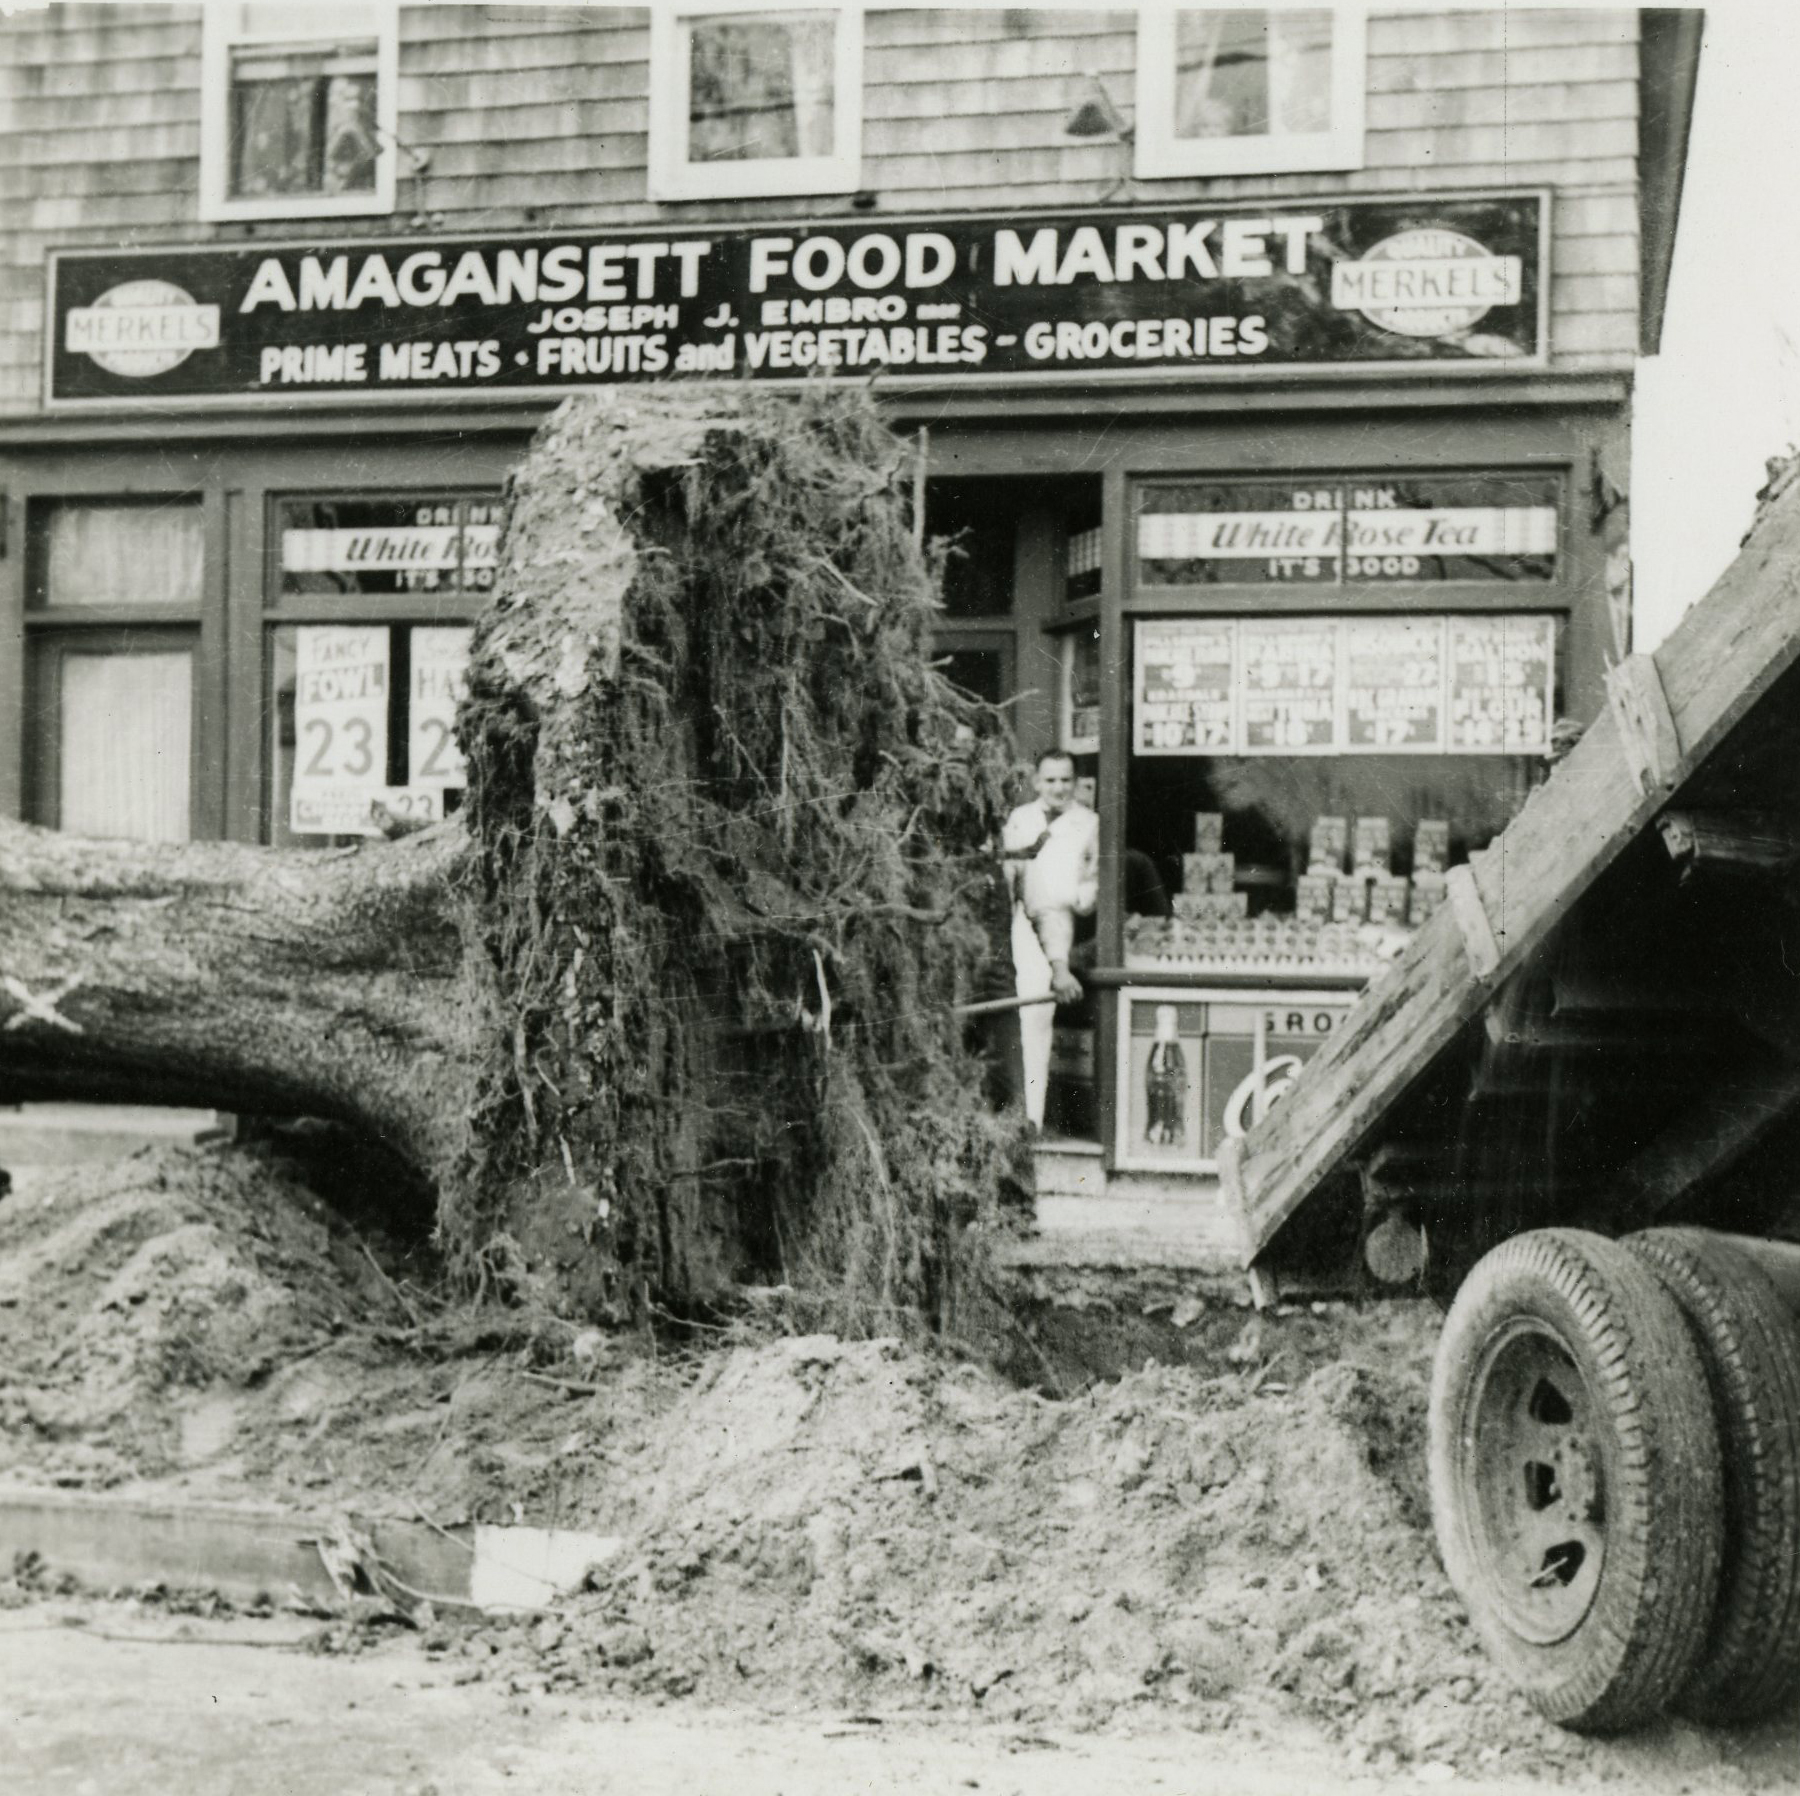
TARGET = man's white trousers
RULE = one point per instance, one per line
(1037, 1022)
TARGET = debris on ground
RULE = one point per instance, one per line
(1238, 1543)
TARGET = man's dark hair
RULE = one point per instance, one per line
(1053, 754)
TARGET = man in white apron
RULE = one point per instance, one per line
(1053, 867)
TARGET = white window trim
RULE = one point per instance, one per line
(673, 177)
(1160, 154)
(217, 42)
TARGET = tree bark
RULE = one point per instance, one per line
(328, 984)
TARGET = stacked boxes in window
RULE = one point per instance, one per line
(1431, 859)
(1372, 848)
(1312, 898)
(1327, 845)
(1212, 873)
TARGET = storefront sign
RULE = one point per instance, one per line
(1381, 528)
(1193, 1072)
(1181, 294)
(1186, 683)
(1463, 684)
(388, 544)
(440, 663)
(1287, 686)
(1502, 684)
(340, 727)
(1393, 684)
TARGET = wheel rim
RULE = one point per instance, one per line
(1532, 1464)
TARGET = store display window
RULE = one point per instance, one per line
(1303, 777)
(361, 700)
(1304, 783)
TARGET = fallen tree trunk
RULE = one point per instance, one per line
(669, 1004)
(243, 978)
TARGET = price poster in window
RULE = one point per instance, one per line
(340, 727)
(1184, 685)
(1288, 685)
(1502, 684)
(1393, 685)
(440, 663)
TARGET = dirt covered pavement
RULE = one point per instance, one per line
(1238, 1546)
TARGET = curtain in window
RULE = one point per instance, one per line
(761, 88)
(1253, 73)
(273, 133)
(126, 745)
(124, 555)
(303, 122)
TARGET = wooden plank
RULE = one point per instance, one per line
(496, 127)
(1646, 730)
(599, 42)
(608, 196)
(1500, 68)
(567, 155)
(170, 142)
(75, 38)
(948, 27)
(1611, 212)
(1508, 30)
(1593, 333)
(474, 92)
(991, 169)
(1570, 141)
(1472, 924)
(1722, 657)
(162, 105)
(78, 81)
(1612, 254)
(1402, 109)
(1571, 293)
(998, 59)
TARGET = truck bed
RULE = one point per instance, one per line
(1604, 1021)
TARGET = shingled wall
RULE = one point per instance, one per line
(539, 115)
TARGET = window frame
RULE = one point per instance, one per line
(218, 40)
(452, 607)
(1159, 154)
(672, 176)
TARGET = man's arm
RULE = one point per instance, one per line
(1055, 928)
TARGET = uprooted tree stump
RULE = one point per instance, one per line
(668, 1004)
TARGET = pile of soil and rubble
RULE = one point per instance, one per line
(806, 1521)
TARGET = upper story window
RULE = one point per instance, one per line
(748, 100)
(1258, 90)
(297, 110)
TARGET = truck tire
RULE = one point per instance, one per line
(1575, 1477)
(1751, 1662)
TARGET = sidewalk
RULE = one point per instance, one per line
(70, 1134)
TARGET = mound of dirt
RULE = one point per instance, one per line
(806, 1522)
(128, 1287)
(817, 1521)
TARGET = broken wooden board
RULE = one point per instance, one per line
(1720, 661)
